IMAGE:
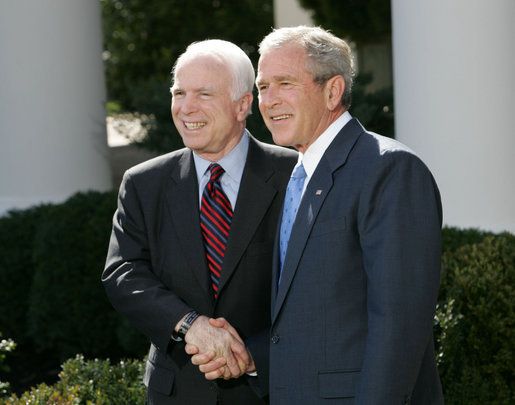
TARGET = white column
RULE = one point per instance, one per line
(454, 78)
(288, 13)
(52, 93)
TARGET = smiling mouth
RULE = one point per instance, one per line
(281, 117)
(194, 125)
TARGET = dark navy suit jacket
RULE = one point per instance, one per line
(352, 317)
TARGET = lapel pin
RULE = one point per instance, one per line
(318, 192)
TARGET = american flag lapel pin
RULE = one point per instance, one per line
(318, 192)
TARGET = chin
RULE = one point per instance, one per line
(281, 140)
(193, 142)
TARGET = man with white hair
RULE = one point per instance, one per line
(193, 233)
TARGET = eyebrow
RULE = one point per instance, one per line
(196, 90)
(278, 78)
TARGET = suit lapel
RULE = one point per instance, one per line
(316, 192)
(182, 198)
(275, 262)
(306, 215)
(254, 198)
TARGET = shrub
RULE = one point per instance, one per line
(475, 320)
(17, 230)
(90, 382)
(51, 258)
(6, 346)
(68, 308)
(454, 238)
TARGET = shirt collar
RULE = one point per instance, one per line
(233, 163)
(316, 150)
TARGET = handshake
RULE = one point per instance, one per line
(217, 349)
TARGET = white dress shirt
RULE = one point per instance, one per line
(233, 163)
(311, 157)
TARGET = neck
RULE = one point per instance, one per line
(327, 122)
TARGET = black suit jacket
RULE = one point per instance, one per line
(156, 270)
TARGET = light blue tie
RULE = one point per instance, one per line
(290, 208)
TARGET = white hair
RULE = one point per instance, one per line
(231, 55)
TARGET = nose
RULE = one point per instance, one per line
(187, 104)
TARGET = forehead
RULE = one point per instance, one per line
(287, 61)
(202, 71)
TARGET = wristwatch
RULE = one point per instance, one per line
(185, 326)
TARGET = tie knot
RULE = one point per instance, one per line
(216, 171)
(299, 172)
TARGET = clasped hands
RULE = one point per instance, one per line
(217, 349)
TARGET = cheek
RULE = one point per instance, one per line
(261, 107)
(175, 117)
(174, 108)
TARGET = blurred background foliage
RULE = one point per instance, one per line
(143, 38)
(362, 21)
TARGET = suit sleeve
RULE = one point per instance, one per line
(129, 279)
(400, 234)
(259, 347)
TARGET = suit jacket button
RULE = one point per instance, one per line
(275, 339)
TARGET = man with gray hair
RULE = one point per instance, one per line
(357, 261)
(193, 233)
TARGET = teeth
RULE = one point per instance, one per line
(281, 117)
(194, 125)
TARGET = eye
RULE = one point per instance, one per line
(177, 93)
(262, 87)
(205, 94)
(286, 84)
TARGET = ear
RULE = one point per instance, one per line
(334, 89)
(243, 106)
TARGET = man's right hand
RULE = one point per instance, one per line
(219, 350)
(214, 366)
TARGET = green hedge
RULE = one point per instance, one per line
(51, 258)
(68, 310)
(17, 232)
(90, 382)
(475, 319)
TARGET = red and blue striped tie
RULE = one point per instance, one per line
(215, 224)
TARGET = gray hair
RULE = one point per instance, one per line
(327, 54)
(230, 55)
